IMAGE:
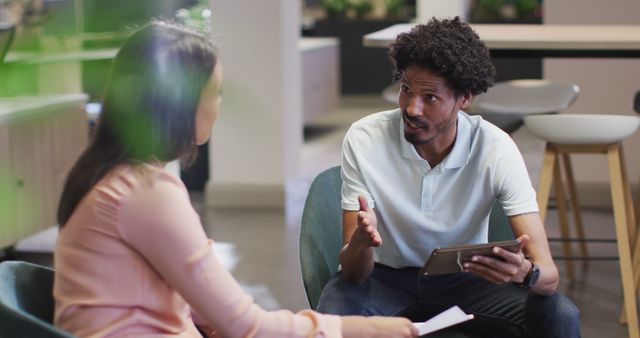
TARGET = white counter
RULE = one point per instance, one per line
(13, 108)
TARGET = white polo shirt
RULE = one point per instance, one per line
(420, 208)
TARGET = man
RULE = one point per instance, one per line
(426, 175)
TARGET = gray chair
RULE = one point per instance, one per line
(26, 301)
(507, 103)
(321, 237)
(390, 92)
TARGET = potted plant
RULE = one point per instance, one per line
(335, 8)
(197, 17)
(362, 8)
(395, 8)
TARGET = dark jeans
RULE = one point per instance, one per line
(500, 310)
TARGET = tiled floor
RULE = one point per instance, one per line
(260, 246)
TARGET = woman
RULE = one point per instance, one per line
(132, 258)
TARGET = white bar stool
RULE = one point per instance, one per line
(587, 133)
(508, 102)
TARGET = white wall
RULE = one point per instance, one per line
(256, 142)
(607, 85)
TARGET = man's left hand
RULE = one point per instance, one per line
(506, 267)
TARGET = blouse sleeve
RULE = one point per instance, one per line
(157, 219)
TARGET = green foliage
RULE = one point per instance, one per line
(394, 8)
(492, 10)
(197, 17)
(491, 5)
(362, 8)
(336, 8)
(526, 7)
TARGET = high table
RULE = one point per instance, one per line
(56, 71)
(55, 66)
(34, 58)
(541, 40)
(600, 41)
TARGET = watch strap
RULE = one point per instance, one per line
(530, 278)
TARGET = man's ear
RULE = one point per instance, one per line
(465, 100)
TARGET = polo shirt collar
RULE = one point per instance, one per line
(458, 156)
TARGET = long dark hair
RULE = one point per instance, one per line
(148, 113)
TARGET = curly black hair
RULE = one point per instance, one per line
(449, 48)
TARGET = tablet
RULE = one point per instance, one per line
(450, 260)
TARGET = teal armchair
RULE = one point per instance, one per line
(26, 301)
(321, 237)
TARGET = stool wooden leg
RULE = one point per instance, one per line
(631, 215)
(636, 262)
(616, 174)
(549, 173)
(562, 218)
(636, 245)
(575, 205)
(637, 206)
(636, 275)
(544, 186)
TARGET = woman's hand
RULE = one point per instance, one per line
(377, 327)
(506, 267)
(207, 331)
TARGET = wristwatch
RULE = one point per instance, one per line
(530, 279)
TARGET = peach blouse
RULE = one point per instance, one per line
(134, 261)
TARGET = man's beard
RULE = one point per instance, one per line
(426, 127)
(415, 138)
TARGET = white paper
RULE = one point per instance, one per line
(452, 316)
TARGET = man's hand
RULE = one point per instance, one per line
(360, 236)
(366, 233)
(509, 267)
